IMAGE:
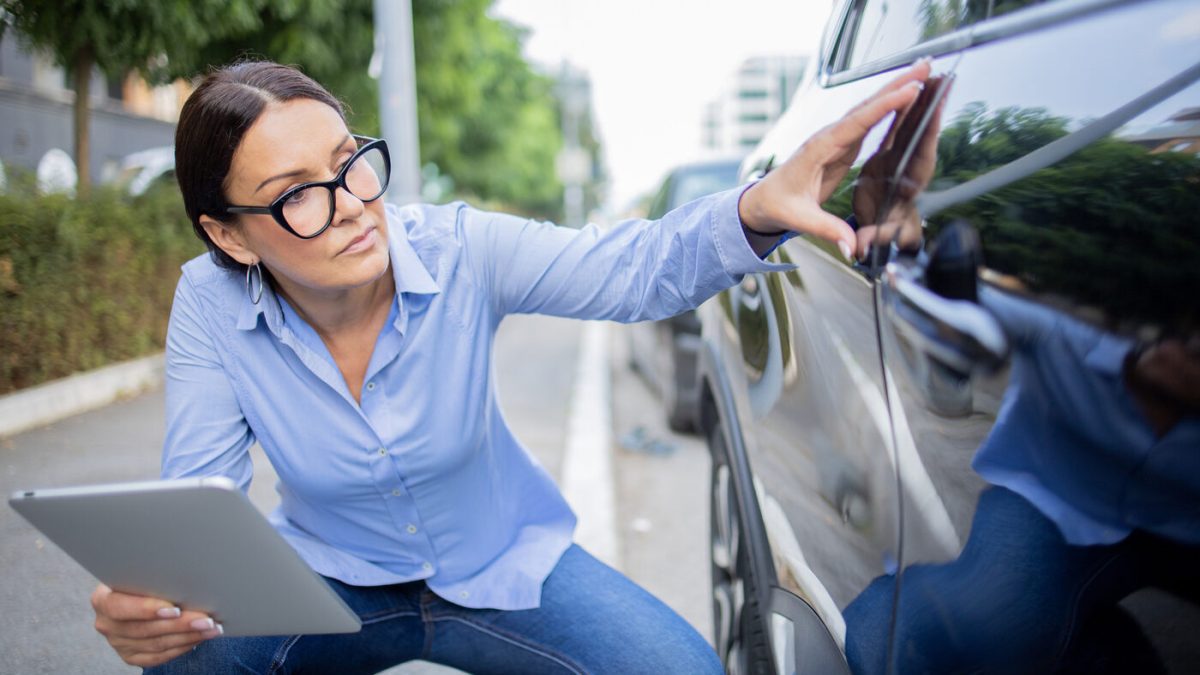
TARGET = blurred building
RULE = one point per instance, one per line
(751, 101)
(36, 99)
(1180, 133)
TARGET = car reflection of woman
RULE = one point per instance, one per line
(1094, 466)
(352, 341)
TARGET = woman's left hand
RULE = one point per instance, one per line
(790, 197)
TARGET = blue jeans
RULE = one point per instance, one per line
(592, 619)
(1019, 599)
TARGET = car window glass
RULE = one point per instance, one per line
(876, 29)
(696, 184)
(659, 206)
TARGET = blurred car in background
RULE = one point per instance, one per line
(143, 169)
(664, 352)
(978, 449)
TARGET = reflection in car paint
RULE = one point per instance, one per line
(1105, 236)
(916, 487)
(1069, 221)
(1086, 488)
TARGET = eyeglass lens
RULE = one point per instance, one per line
(309, 210)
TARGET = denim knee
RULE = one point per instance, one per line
(229, 655)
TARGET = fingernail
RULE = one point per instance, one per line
(209, 634)
(845, 249)
(169, 613)
(204, 624)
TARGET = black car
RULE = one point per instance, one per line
(977, 449)
(664, 352)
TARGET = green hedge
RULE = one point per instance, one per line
(86, 282)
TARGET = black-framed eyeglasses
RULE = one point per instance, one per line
(307, 209)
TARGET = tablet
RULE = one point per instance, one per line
(196, 542)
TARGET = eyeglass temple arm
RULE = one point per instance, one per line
(248, 209)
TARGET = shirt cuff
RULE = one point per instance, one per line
(730, 236)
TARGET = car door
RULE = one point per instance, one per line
(806, 387)
(1059, 242)
(807, 390)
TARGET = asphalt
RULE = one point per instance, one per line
(46, 623)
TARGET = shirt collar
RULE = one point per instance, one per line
(408, 269)
(408, 272)
(267, 306)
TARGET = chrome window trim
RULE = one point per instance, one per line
(1023, 21)
(833, 43)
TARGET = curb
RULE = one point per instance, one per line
(50, 402)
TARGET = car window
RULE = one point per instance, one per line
(659, 204)
(876, 29)
(695, 184)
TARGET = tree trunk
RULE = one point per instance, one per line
(82, 71)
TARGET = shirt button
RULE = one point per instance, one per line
(382, 451)
(426, 566)
(396, 492)
(370, 386)
(412, 529)
(464, 595)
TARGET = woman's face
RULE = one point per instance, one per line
(296, 142)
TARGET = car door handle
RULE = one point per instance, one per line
(933, 307)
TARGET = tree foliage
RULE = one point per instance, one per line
(118, 36)
(486, 118)
(330, 40)
(86, 282)
(122, 35)
(1100, 227)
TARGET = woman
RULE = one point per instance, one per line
(352, 341)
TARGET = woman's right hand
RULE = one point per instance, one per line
(148, 631)
(790, 197)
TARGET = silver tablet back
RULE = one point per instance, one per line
(197, 542)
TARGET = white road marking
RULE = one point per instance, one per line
(587, 468)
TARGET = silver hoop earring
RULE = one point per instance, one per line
(254, 297)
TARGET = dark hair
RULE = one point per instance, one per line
(226, 103)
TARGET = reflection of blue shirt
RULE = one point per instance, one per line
(424, 479)
(1070, 439)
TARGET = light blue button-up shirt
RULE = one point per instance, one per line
(424, 479)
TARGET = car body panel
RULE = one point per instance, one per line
(993, 118)
(860, 443)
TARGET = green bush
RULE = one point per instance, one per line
(86, 282)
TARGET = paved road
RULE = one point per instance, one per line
(45, 623)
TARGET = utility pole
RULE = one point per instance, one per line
(398, 97)
(574, 164)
